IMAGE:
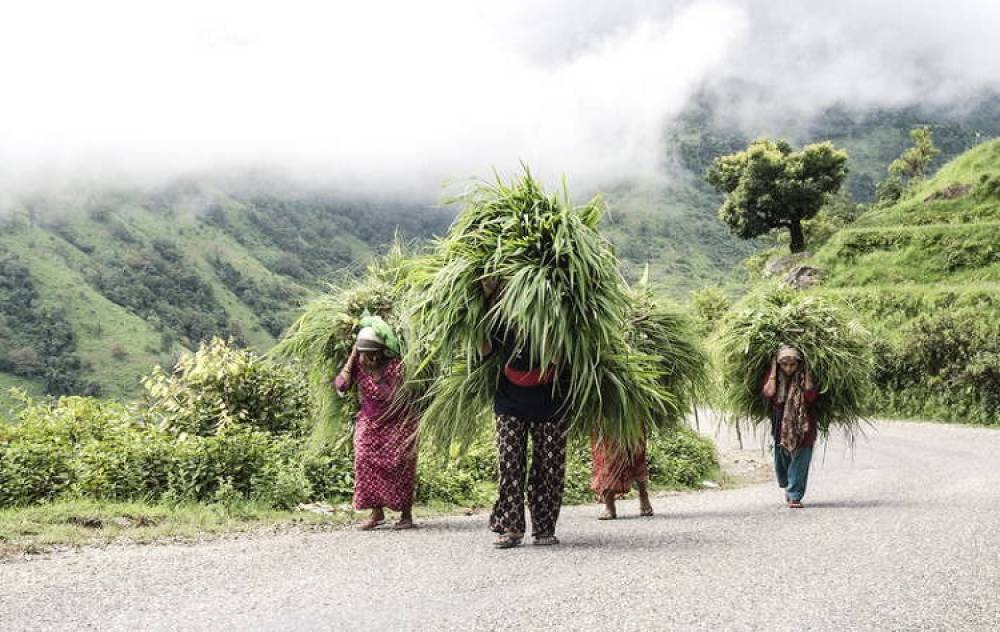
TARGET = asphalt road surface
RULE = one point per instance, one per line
(903, 534)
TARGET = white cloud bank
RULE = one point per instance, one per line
(401, 96)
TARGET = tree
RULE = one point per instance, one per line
(913, 162)
(909, 167)
(769, 186)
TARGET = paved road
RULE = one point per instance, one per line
(903, 535)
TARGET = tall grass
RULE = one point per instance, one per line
(563, 301)
(837, 350)
(323, 336)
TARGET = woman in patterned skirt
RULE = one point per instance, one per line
(385, 442)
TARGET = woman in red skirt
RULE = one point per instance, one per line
(614, 474)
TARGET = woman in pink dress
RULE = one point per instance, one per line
(385, 441)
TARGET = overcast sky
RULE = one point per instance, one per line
(403, 96)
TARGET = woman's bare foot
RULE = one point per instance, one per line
(610, 511)
(377, 518)
(645, 507)
(405, 520)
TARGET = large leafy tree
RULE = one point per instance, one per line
(769, 186)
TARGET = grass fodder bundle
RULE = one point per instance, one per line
(323, 336)
(560, 295)
(666, 334)
(837, 350)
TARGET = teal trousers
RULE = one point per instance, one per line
(792, 470)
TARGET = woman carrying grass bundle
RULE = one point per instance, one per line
(527, 401)
(790, 391)
(385, 447)
(614, 474)
(763, 346)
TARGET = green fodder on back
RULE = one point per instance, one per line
(561, 298)
(838, 352)
(323, 336)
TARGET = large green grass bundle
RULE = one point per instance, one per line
(657, 330)
(838, 352)
(322, 338)
(561, 297)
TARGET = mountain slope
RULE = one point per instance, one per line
(95, 291)
(925, 276)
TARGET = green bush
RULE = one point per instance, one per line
(944, 366)
(708, 306)
(38, 455)
(88, 448)
(682, 458)
(445, 480)
(579, 468)
(132, 464)
(220, 385)
(34, 471)
(330, 472)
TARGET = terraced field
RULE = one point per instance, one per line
(924, 274)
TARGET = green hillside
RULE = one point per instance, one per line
(925, 275)
(95, 291)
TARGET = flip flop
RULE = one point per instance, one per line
(795, 504)
(368, 525)
(646, 513)
(607, 515)
(403, 526)
(508, 540)
(545, 540)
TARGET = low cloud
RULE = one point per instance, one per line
(400, 97)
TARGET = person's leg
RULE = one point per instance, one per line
(610, 511)
(781, 461)
(645, 507)
(377, 518)
(798, 474)
(545, 483)
(405, 519)
(508, 511)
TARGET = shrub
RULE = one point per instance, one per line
(219, 385)
(682, 458)
(946, 366)
(134, 463)
(445, 480)
(330, 472)
(38, 455)
(34, 471)
(708, 306)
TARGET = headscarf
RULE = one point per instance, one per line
(791, 394)
(376, 330)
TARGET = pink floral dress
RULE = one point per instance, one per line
(385, 440)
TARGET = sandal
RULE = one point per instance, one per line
(545, 540)
(370, 524)
(646, 513)
(508, 540)
(795, 504)
(404, 525)
(607, 515)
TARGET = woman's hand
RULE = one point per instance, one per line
(344, 376)
(771, 386)
(808, 377)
